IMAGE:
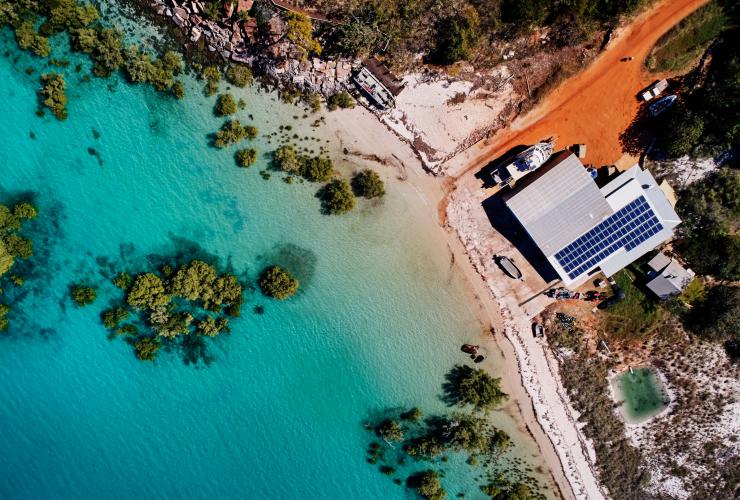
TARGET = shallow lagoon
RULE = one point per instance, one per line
(641, 393)
(279, 411)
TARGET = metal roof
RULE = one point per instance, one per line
(560, 204)
(582, 229)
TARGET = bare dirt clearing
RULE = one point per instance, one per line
(595, 106)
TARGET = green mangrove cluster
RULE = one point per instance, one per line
(337, 197)
(192, 300)
(406, 438)
(278, 283)
(13, 246)
(103, 45)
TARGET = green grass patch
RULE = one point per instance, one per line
(686, 41)
(694, 292)
(635, 315)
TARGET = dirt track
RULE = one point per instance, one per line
(596, 105)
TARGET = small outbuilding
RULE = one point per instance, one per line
(668, 277)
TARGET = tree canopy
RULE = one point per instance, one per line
(709, 210)
(474, 387)
(367, 183)
(337, 197)
(278, 283)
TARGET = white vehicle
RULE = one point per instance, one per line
(654, 90)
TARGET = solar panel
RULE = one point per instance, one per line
(626, 228)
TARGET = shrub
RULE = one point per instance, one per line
(456, 36)
(83, 295)
(231, 132)
(340, 100)
(286, 159)
(239, 75)
(53, 94)
(337, 198)
(390, 430)
(427, 485)
(278, 283)
(146, 348)
(212, 76)
(316, 168)
(368, 184)
(123, 280)
(28, 39)
(113, 317)
(246, 157)
(225, 105)
(474, 387)
(178, 90)
(412, 415)
(299, 32)
(717, 315)
(147, 292)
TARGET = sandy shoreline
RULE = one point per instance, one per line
(360, 134)
(531, 372)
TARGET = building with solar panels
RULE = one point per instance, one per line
(583, 229)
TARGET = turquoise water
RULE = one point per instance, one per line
(641, 392)
(278, 413)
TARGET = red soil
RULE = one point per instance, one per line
(596, 105)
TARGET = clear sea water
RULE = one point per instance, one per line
(279, 412)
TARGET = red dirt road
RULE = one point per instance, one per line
(596, 105)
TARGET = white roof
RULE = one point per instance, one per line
(672, 279)
(659, 262)
(562, 203)
(559, 205)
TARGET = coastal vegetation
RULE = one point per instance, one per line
(705, 120)
(311, 168)
(406, 439)
(233, 132)
(340, 100)
(278, 283)
(466, 386)
(13, 246)
(449, 32)
(53, 94)
(212, 76)
(173, 306)
(225, 105)
(337, 197)
(368, 184)
(28, 39)
(83, 295)
(246, 157)
(300, 32)
(103, 45)
(710, 209)
(686, 41)
(585, 378)
(239, 75)
(427, 485)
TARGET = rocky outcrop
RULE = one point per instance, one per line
(239, 40)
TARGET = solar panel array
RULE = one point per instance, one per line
(626, 228)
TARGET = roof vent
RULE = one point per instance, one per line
(646, 186)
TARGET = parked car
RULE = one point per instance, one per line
(538, 330)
